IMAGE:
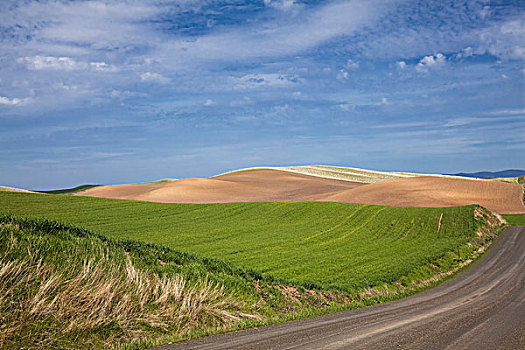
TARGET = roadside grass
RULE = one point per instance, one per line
(515, 219)
(340, 246)
(62, 286)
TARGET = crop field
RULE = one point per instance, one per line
(337, 245)
(515, 219)
(344, 173)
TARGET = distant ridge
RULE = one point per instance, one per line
(484, 174)
(77, 189)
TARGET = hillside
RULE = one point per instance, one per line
(12, 189)
(266, 185)
(425, 191)
(298, 241)
(244, 186)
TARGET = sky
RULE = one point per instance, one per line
(125, 91)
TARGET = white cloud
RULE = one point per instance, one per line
(280, 39)
(103, 67)
(281, 109)
(508, 112)
(241, 102)
(209, 102)
(352, 65)
(500, 117)
(466, 52)
(155, 78)
(50, 62)
(125, 94)
(502, 39)
(98, 24)
(283, 5)
(268, 79)
(343, 75)
(401, 64)
(430, 61)
(13, 102)
(63, 63)
(345, 107)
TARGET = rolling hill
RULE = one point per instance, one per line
(318, 183)
(426, 191)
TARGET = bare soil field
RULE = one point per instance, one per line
(264, 185)
(244, 186)
(429, 191)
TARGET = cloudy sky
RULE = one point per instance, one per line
(127, 91)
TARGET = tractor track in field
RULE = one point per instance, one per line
(482, 308)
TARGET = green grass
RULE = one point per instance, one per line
(60, 283)
(70, 190)
(515, 219)
(330, 245)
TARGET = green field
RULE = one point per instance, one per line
(337, 245)
(515, 219)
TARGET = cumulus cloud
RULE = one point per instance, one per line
(13, 102)
(352, 65)
(431, 61)
(154, 78)
(401, 64)
(63, 63)
(466, 52)
(50, 62)
(209, 102)
(343, 75)
(267, 79)
(103, 67)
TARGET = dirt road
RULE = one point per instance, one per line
(482, 308)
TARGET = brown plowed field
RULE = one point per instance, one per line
(431, 191)
(275, 185)
(244, 186)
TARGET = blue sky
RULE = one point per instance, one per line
(128, 91)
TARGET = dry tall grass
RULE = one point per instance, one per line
(40, 305)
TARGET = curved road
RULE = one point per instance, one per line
(483, 308)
